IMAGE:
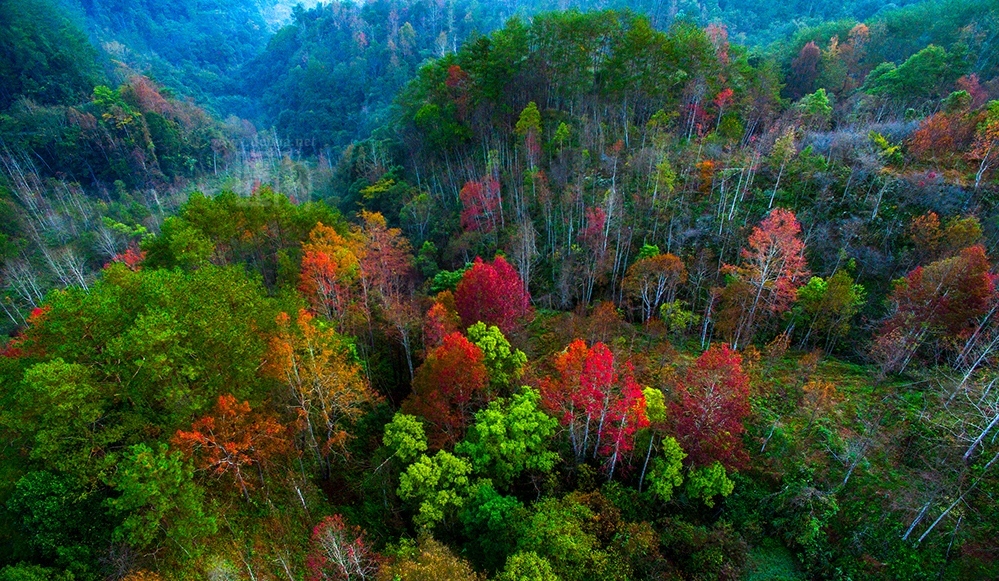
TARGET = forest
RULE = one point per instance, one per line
(534, 291)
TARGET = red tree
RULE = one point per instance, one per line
(773, 268)
(492, 293)
(448, 388)
(340, 552)
(599, 402)
(233, 439)
(941, 302)
(712, 402)
(480, 203)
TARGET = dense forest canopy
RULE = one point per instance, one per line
(450, 289)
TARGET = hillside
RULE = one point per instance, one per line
(461, 290)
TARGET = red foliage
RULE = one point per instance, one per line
(448, 388)
(492, 293)
(457, 83)
(596, 221)
(971, 84)
(599, 402)
(440, 322)
(775, 260)
(480, 203)
(712, 402)
(940, 302)
(340, 552)
(233, 439)
(805, 69)
(132, 258)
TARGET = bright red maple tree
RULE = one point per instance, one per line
(492, 293)
(448, 388)
(712, 403)
(597, 400)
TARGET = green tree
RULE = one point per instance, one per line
(707, 482)
(404, 436)
(527, 566)
(667, 470)
(438, 486)
(509, 437)
(159, 501)
(504, 363)
(64, 417)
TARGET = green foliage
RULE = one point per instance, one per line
(527, 566)
(447, 280)
(159, 500)
(404, 436)
(492, 522)
(43, 57)
(26, 572)
(437, 486)
(504, 363)
(815, 109)
(509, 437)
(62, 522)
(707, 482)
(64, 416)
(557, 532)
(647, 251)
(667, 470)
(530, 120)
(888, 153)
(677, 318)
(924, 74)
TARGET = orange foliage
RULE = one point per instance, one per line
(233, 439)
(328, 388)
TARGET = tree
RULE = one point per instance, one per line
(232, 440)
(159, 500)
(388, 278)
(404, 436)
(985, 149)
(653, 281)
(437, 485)
(712, 402)
(326, 384)
(492, 293)
(430, 560)
(599, 402)
(527, 566)
(447, 388)
(339, 552)
(815, 110)
(64, 415)
(707, 482)
(939, 302)
(504, 363)
(772, 269)
(667, 470)
(830, 305)
(509, 437)
(330, 273)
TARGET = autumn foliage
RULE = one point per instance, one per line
(597, 400)
(448, 388)
(327, 388)
(330, 272)
(339, 552)
(233, 439)
(712, 403)
(492, 293)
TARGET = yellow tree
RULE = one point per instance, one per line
(327, 387)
